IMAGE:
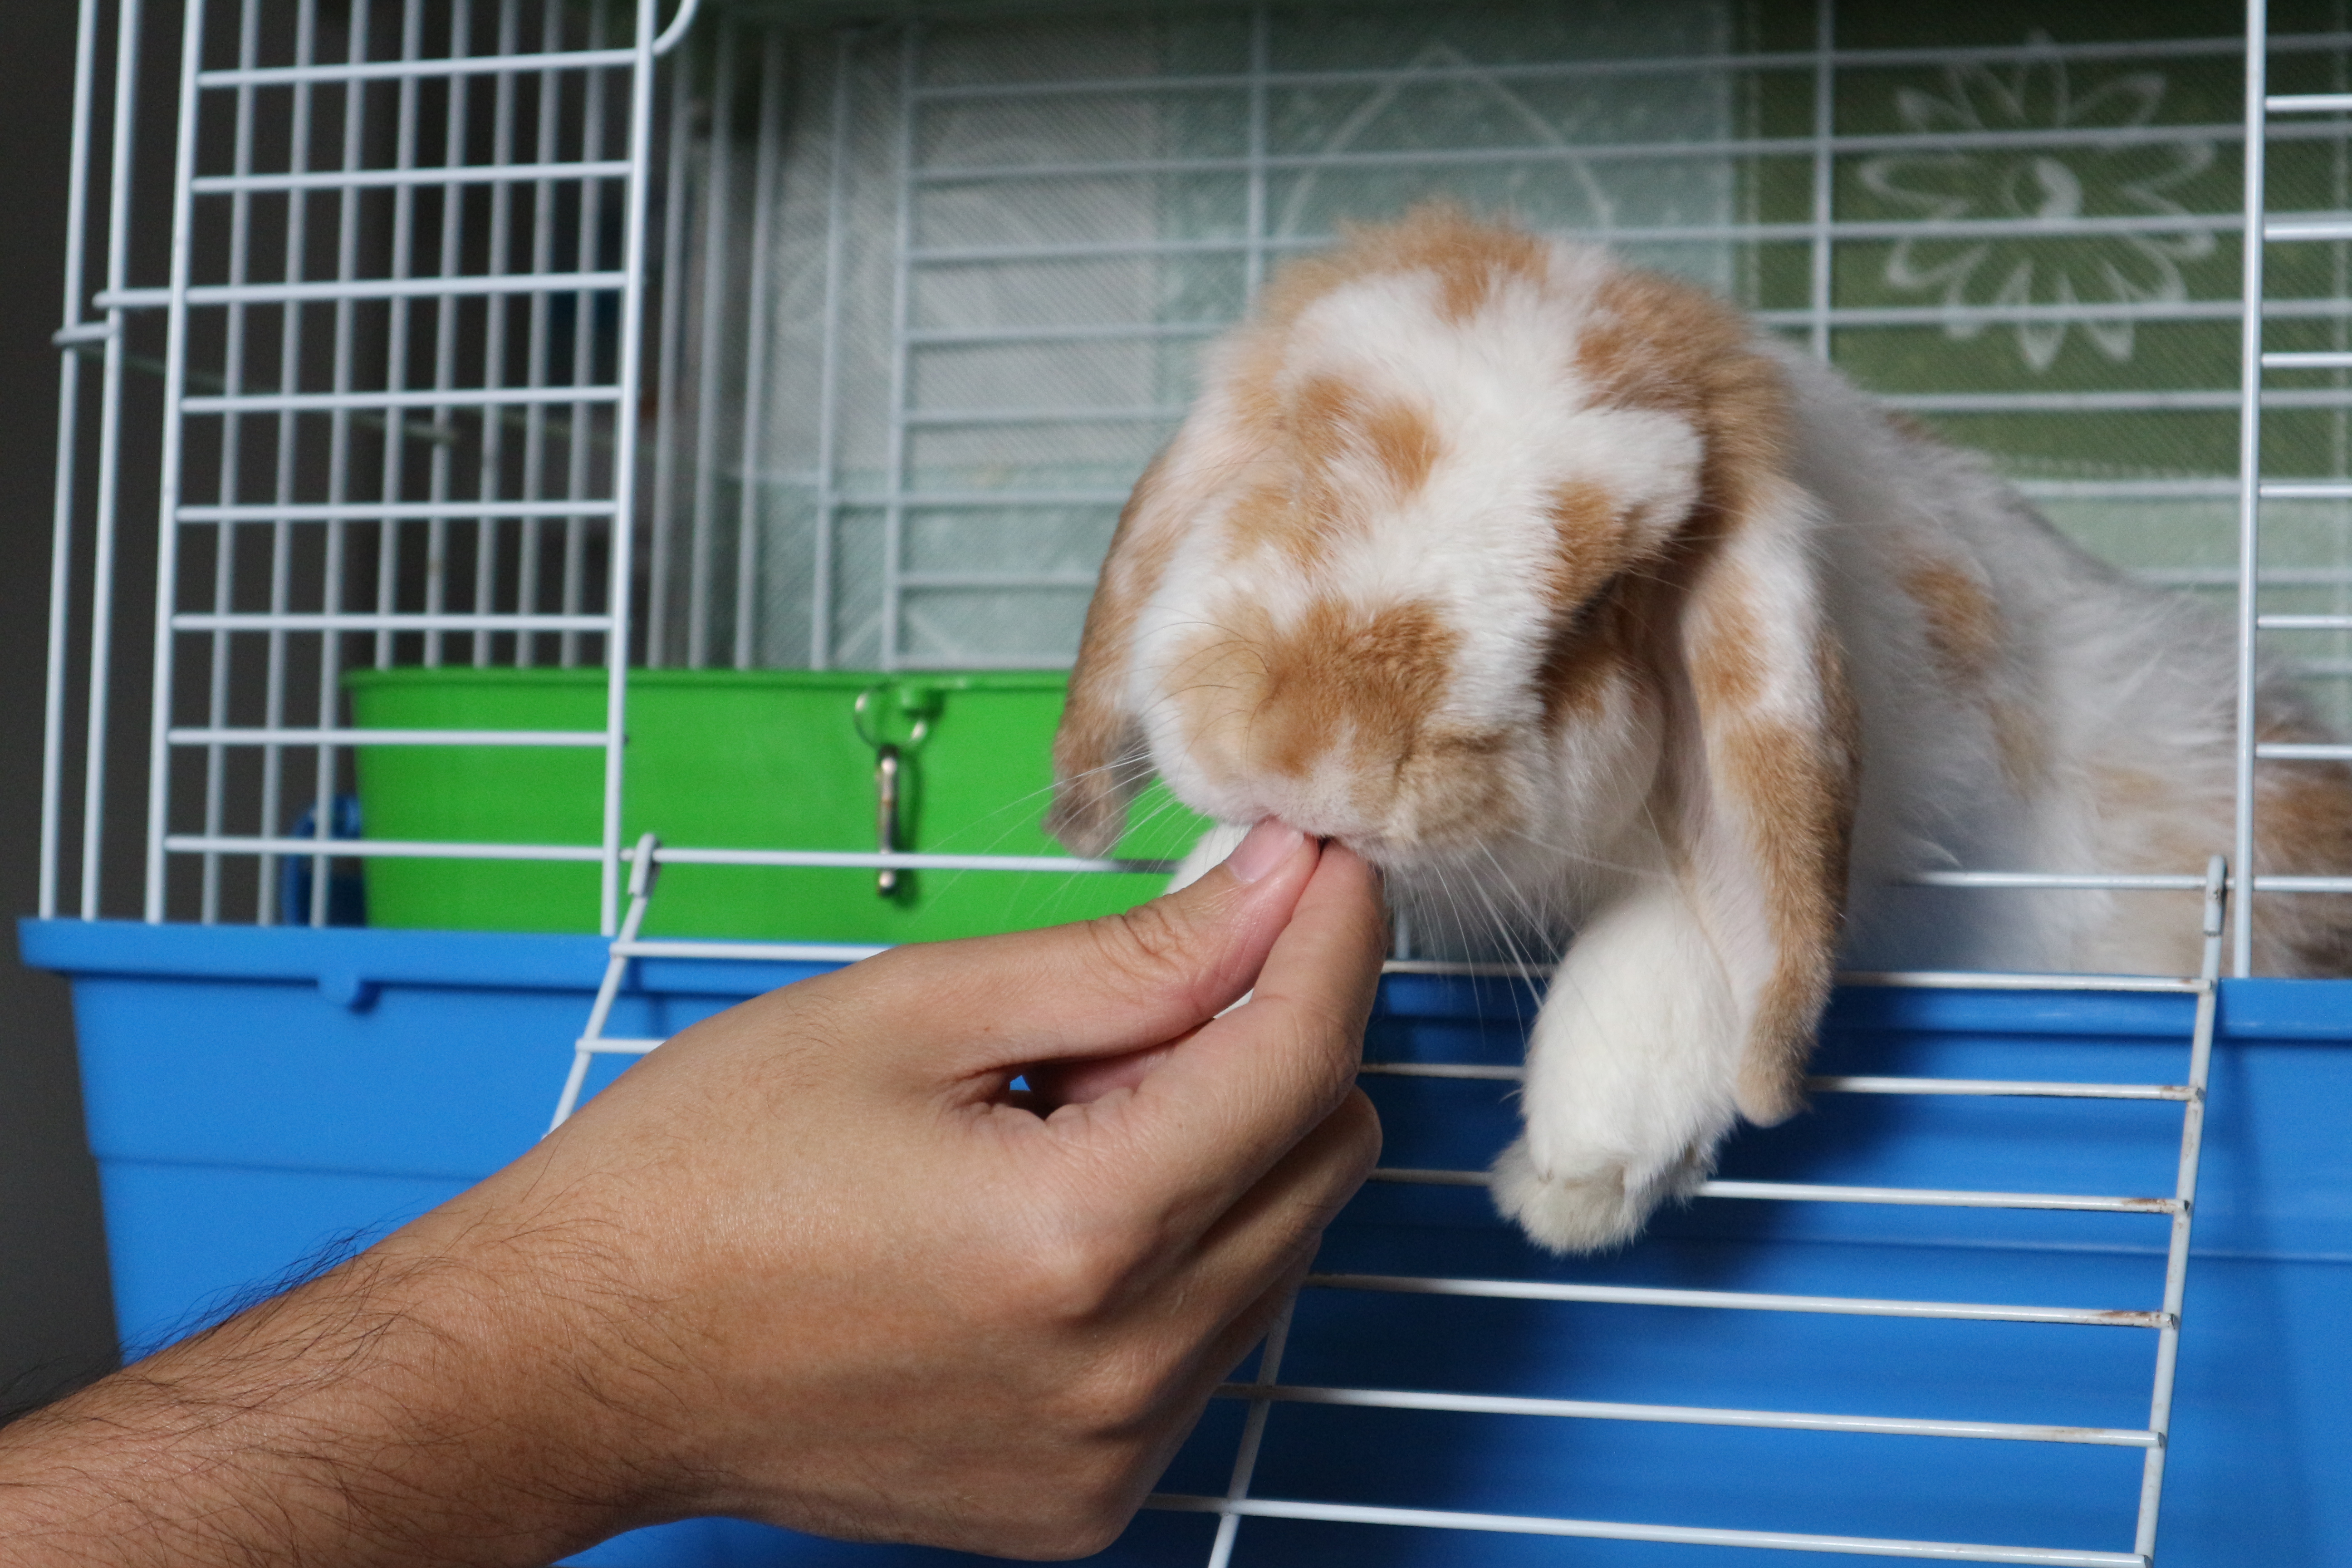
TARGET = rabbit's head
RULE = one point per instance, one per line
(1466, 530)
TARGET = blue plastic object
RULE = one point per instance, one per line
(256, 1094)
(346, 887)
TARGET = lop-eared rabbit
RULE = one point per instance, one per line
(1602, 622)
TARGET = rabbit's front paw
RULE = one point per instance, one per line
(1631, 1066)
(1599, 1204)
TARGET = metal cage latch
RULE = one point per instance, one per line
(890, 760)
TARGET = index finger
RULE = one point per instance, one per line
(1216, 1113)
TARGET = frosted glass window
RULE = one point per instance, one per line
(981, 258)
(945, 282)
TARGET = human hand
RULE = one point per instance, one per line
(813, 1262)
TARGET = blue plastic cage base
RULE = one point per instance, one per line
(258, 1097)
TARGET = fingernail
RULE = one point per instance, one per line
(1269, 844)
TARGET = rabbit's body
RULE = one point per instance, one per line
(2025, 705)
(1599, 619)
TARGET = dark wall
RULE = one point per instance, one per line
(56, 1324)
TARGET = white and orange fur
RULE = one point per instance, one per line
(1591, 613)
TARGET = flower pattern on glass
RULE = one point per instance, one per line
(2057, 185)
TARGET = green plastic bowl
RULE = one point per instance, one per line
(734, 759)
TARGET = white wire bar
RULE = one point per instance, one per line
(1981, 1087)
(175, 365)
(2301, 360)
(2208, 399)
(1691, 1415)
(751, 952)
(717, 192)
(372, 849)
(1918, 980)
(372, 621)
(2214, 399)
(61, 530)
(663, 499)
(853, 860)
(1668, 1534)
(903, 417)
(411, 510)
(1997, 1087)
(1463, 969)
(1970, 979)
(1245, 1452)
(767, 174)
(1990, 314)
(2254, 140)
(2120, 881)
(1817, 1193)
(644, 857)
(463, 286)
(1652, 64)
(230, 475)
(680, 24)
(1734, 1301)
(452, 397)
(2299, 623)
(611, 1046)
(1941, 143)
(2307, 230)
(2193, 1137)
(616, 964)
(2301, 752)
(965, 254)
(829, 358)
(1476, 1073)
(334, 74)
(391, 179)
(232, 735)
(860, 859)
(2136, 312)
(1804, 1192)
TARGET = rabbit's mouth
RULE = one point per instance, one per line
(1392, 852)
(1374, 849)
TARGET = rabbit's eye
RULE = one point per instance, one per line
(1579, 622)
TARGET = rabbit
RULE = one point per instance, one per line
(1601, 621)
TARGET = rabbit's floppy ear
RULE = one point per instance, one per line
(1766, 769)
(1764, 754)
(1100, 763)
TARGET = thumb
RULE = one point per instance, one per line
(1215, 1114)
(1102, 987)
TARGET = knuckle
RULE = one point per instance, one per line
(1150, 945)
(1106, 1402)
(1096, 1531)
(1080, 1525)
(1070, 1279)
(1327, 1048)
(1360, 1126)
(1335, 1026)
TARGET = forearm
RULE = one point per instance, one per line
(810, 1264)
(377, 1415)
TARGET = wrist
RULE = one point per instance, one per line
(397, 1410)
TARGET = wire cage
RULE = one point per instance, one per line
(865, 326)
(548, 335)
